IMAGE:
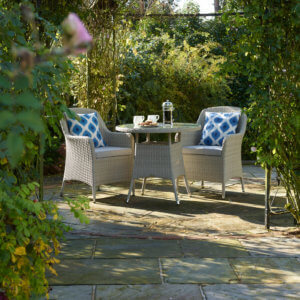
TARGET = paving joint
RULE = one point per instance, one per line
(93, 296)
(202, 292)
(181, 248)
(204, 236)
(239, 280)
(161, 271)
(94, 249)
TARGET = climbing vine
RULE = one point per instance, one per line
(267, 52)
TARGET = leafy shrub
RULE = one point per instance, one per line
(32, 80)
(267, 51)
(30, 234)
(160, 70)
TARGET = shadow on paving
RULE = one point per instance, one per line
(156, 213)
(246, 205)
(152, 248)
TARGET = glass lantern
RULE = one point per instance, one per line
(167, 113)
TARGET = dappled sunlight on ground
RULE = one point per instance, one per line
(156, 214)
(152, 246)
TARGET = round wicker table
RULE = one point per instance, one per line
(158, 159)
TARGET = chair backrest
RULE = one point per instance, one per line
(241, 128)
(103, 129)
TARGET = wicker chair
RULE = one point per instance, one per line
(214, 163)
(96, 166)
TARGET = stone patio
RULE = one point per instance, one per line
(151, 248)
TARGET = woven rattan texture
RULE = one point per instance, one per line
(215, 168)
(81, 162)
(158, 160)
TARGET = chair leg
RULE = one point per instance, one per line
(94, 193)
(144, 185)
(62, 189)
(175, 190)
(133, 188)
(243, 187)
(130, 190)
(177, 184)
(187, 186)
(202, 184)
(223, 190)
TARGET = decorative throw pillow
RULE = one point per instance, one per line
(87, 126)
(217, 126)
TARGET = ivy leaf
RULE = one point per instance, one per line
(6, 119)
(15, 147)
(20, 251)
(31, 120)
(21, 83)
(6, 99)
(4, 82)
(27, 99)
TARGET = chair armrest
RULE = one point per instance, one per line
(120, 139)
(79, 148)
(190, 138)
(232, 145)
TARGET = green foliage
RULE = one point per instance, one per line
(136, 65)
(96, 80)
(29, 234)
(156, 67)
(29, 105)
(32, 83)
(267, 52)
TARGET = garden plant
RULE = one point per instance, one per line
(248, 57)
(32, 81)
(266, 50)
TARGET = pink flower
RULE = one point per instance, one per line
(77, 38)
(253, 149)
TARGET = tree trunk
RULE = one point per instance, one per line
(142, 7)
(217, 5)
(268, 171)
(88, 78)
(115, 103)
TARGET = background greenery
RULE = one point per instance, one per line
(250, 61)
(33, 81)
(267, 51)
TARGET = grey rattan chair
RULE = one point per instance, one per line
(214, 163)
(96, 166)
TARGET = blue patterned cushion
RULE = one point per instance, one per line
(87, 126)
(217, 126)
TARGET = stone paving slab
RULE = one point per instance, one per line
(257, 171)
(73, 292)
(149, 291)
(266, 270)
(106, 271)
(156, 214)
(197, 270)
(273, 246)
(136, 248)
(81, 248)
(251, 291)
(213, 248)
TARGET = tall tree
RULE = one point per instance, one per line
(217, 5)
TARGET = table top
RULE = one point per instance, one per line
(177, 127)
